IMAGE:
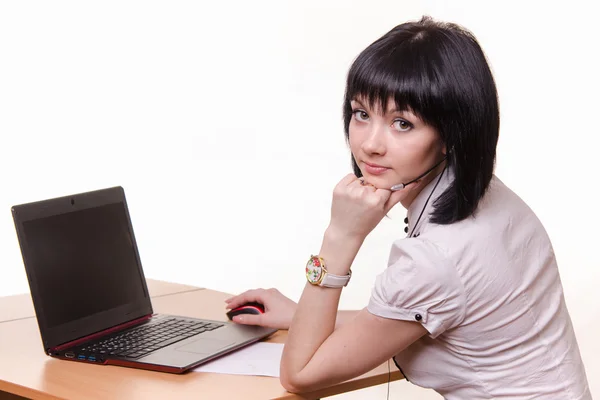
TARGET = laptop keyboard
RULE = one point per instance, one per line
(137, 342)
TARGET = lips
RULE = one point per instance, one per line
(374, 169)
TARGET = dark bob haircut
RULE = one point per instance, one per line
(438, 71)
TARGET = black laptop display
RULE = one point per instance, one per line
(90, 294)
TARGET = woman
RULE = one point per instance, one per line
(471, 303)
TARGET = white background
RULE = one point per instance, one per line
(223, 123)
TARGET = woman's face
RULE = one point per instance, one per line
(392, 147)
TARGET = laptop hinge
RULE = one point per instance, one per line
(101, 333)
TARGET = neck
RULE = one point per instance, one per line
(420, 184)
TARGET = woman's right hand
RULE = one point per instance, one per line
(279, 310)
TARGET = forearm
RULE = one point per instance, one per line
(316, 315)
(344, 316)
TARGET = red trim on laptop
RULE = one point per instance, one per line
(139, 365)
(101, 333)
(131, 364)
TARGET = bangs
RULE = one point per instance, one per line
(403, 73)
(438, 72)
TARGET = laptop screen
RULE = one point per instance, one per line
(84, 261)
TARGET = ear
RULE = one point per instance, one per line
(445, 150)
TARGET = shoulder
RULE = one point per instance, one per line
(500, 212)
(420, 283)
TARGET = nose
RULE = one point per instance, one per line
(374, 142)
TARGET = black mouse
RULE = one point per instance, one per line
(248, 308)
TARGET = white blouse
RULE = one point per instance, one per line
(488, 291)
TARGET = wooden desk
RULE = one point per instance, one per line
(26, 371)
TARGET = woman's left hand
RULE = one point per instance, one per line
(358, 206)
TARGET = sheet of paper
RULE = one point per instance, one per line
(255, 359)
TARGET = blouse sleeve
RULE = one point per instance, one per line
(421, 285)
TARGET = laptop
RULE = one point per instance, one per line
(90, 294)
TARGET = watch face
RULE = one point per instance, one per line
(314, 270)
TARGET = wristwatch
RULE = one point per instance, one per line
(317, 274)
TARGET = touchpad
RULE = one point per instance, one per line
(203, 346)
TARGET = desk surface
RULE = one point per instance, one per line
(27, 371)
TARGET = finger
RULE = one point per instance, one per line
(348, 179)
(348, 182)
(383, 195)
(246, 297)
(393, 199)
(370, 187)
(361, 184)
(241, 298)
(248, 319)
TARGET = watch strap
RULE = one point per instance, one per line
(335, 281)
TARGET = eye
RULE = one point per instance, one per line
(402, 125)
(360, 115)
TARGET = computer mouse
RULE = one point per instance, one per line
(248, 308)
